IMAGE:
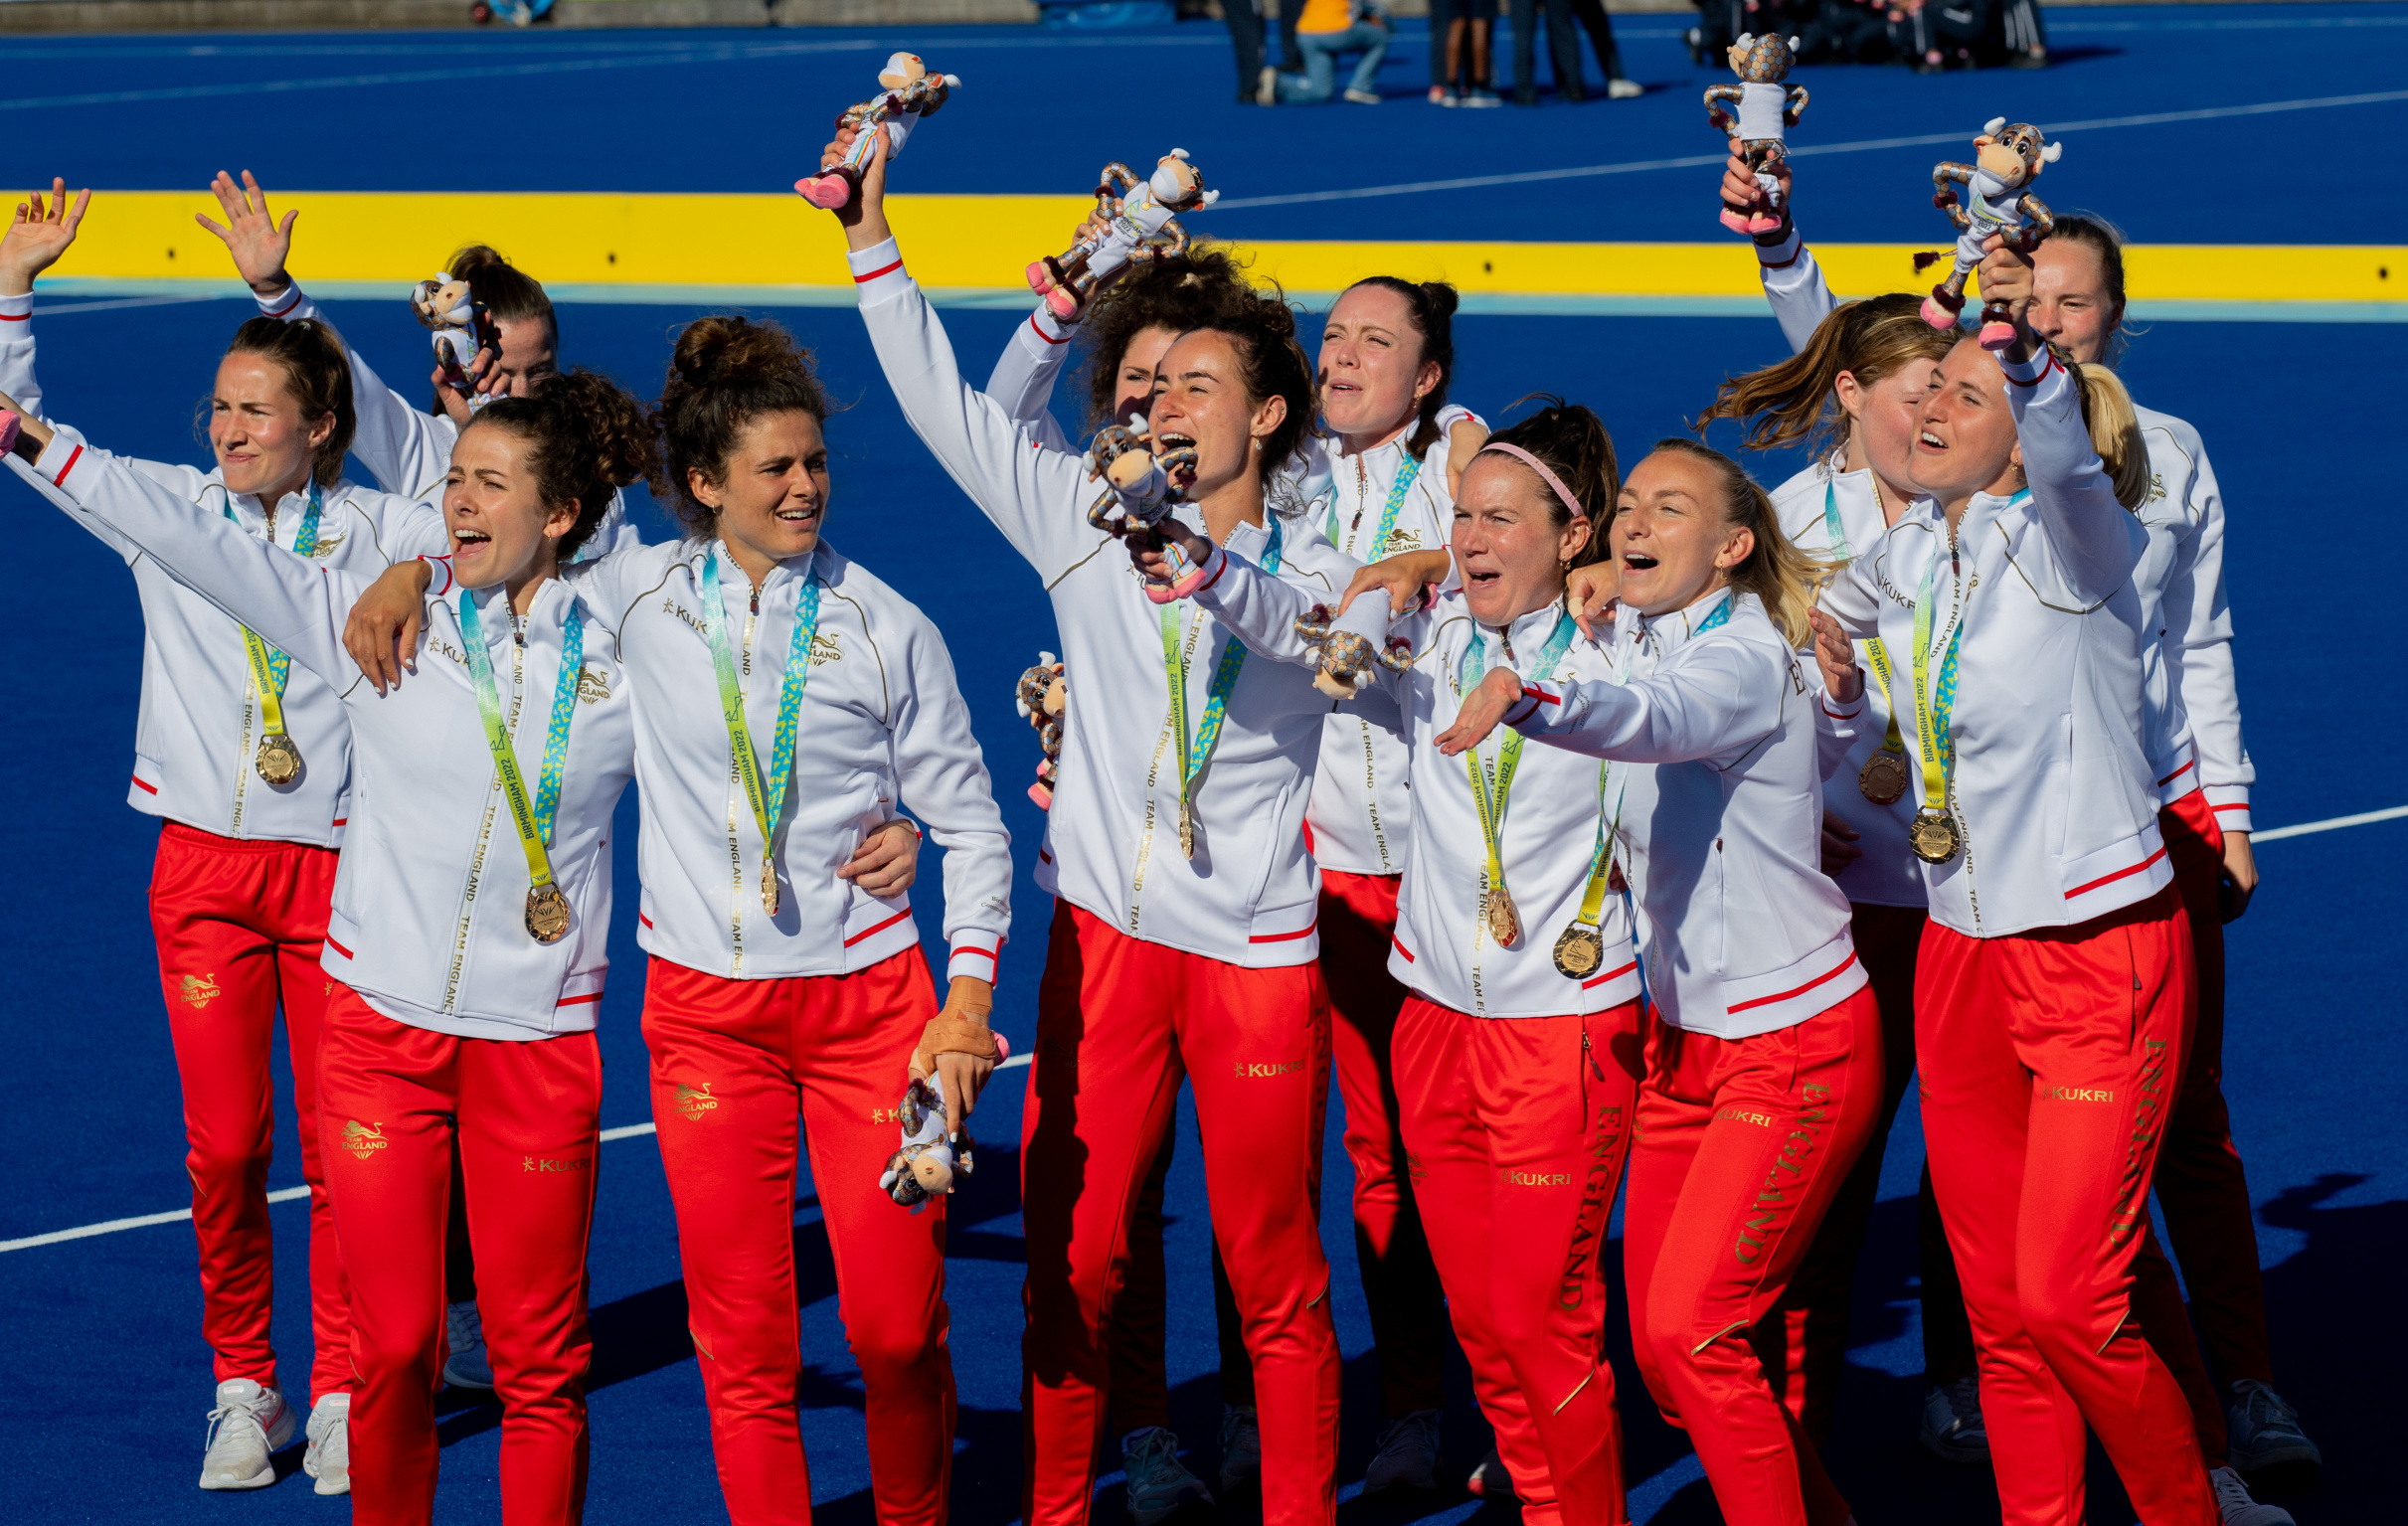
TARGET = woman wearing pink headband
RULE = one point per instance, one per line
(1518, 1050)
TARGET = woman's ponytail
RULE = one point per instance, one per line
(2115, 432)
(1793, 401)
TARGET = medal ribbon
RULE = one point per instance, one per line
(1490, 801)
(1936, 702)
(767, 799)
(534, 821)
(271, 668)
(1875, 657)
(1405, 475)
(1195, 754)
(1600, 864)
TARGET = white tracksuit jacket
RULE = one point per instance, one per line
(1741, 932)
(1554, 812)
(1359, 803)
(882, 729)
(2192, 704)
(429, 899)
(2050, 786)
(1887, 874)
(408, 449)
(198, 730)
(1251, 895)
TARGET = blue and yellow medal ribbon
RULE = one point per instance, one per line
(533, 819)
(1195, 753)
(1876, 656)
(766, 796)
(1405, 473)
(272, 668)
(1490, 798)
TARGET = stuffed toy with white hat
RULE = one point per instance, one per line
(2007, 158)
(1043, 698)
(907, 92)
(1768, 108)
(460, 325)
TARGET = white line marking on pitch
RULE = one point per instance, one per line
(288, 1194)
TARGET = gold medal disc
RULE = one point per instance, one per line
(1579, 951)
(1882, 779)
(769, 885)
(1187, 830)
(1932, 835)
(547, 913)
(1504, 924)
(278, 759)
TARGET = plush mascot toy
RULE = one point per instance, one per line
(935, 1154)
(1767, 107)
(1043, 695)
(2007, 158)
(1350, 644)
(462, 327)
(907, 92)
(1142, 487)
(1137, 222)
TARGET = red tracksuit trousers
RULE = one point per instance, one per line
(2050, 1061)
(1803, 1344)
(1400, 1284)
(240, 927)
(733, 1064)
(1740, 1147)
(2200, 1183)
(394, 1102)
(1120, 1024)
(1516, 1130)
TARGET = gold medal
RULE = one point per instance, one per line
(1187, 829)
(769, 885)
(547, 913)
(1503, 924)
(1932, 835)
(278, 759)
(1882, 779)
(1579, 951)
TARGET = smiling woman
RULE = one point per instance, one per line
(460, 978)
(246, 757)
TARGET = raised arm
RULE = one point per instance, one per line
(1022, 383)
(1028, 494)
(2093, 542)
(1792, 281)
(39, 233)
(290, 601)
(2200, 656)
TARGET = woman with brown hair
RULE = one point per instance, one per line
(467, 945)
(247, 759)
(789, 707)
(1183, 943)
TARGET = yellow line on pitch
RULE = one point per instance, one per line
(972, 242)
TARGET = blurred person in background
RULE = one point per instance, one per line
(1324, 30)
(1462, 69)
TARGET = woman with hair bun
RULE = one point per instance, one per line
(466, 948)
(788, 707)
(1184, 941)
(247, 759)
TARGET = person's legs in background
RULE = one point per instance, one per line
(1319, 81)
(1591, 14)
(1363, 87)
(1563, 51)
(1445, 30)
(1246, 37)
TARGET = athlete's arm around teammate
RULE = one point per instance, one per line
(467, 942)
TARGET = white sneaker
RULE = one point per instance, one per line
(1625, 89)
(1241, 1447)
(2232, 1497)
(464, 1333)
(328, 1459)
(1364, 97)
(1953, 1428)
(248, 1423)
(2265, 1431)
(1158, 1482)
(1408, 1454)
(1489, 1480)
